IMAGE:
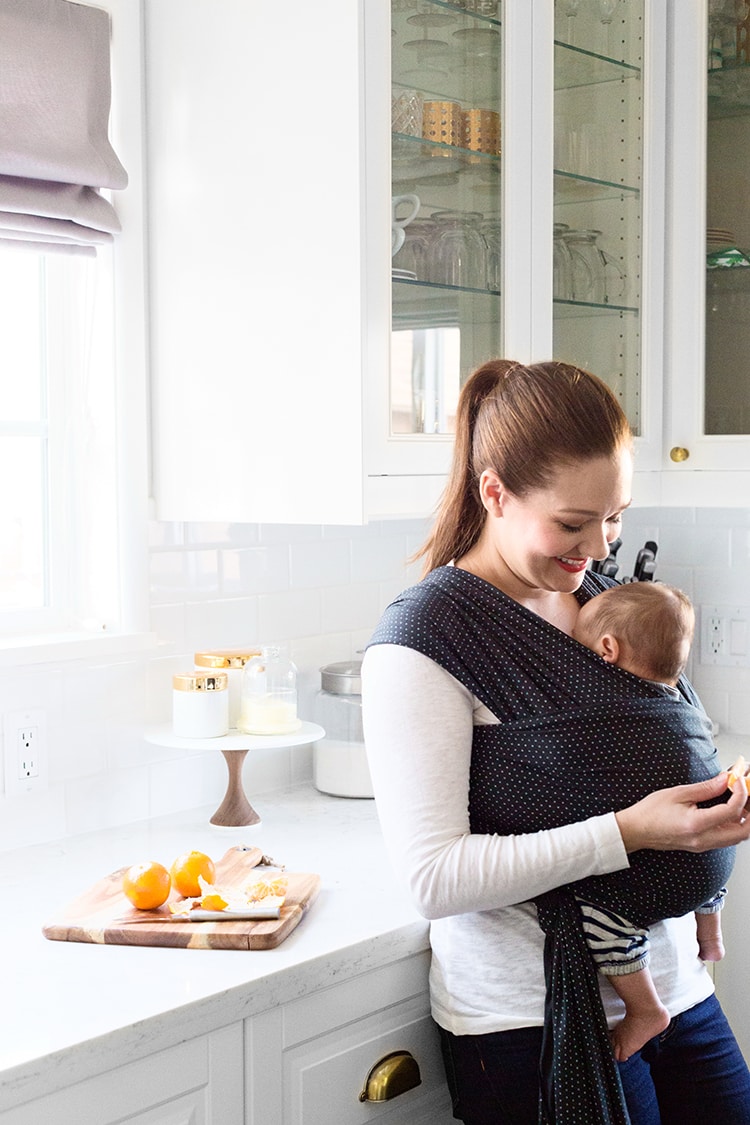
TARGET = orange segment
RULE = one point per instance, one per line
(147, 885)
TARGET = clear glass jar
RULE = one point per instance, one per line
(269, 694)
(339, 759)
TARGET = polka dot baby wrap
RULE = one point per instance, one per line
(576, 737)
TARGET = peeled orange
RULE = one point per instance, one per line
(188, 868)
(147, 885)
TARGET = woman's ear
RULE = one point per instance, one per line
(491, 492)
(609, 649)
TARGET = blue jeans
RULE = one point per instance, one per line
(691, 1074)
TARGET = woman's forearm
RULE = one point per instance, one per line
(670, 819)
(418, 729)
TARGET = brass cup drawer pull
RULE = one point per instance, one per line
(392, 1075)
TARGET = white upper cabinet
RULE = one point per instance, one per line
(307, 351)
(708, 235)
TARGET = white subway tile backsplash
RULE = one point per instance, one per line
(294, 613)
(383, 557)
(260, 569)
(187, 781)
(222, 623)
(289, 533)
(33, 818)
(183, 574)
(350, 607)
(113, 798)
(321, 590)
(316, 564)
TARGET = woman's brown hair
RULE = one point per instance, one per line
(524, 422)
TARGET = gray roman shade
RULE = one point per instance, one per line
(55, 153)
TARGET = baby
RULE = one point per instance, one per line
(645, 628)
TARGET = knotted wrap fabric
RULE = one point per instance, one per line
(576, 738)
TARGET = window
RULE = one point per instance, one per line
(58, 445)
(73, 420)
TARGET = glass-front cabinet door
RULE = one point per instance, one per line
(446, 228)
(599, 121)
(727, 388)
(708, 321)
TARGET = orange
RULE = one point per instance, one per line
(147, 885)
(186, 869)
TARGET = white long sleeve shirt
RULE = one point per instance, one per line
(487, 964)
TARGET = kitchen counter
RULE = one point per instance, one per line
(73, 1009)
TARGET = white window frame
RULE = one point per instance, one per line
(106, 545)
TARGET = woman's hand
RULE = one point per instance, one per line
(670, 820)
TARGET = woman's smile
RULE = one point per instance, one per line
(573, 566)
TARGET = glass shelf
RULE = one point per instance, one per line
(572, 188)
(425, 155)
(575, 66)
(444, 5)
(569, 310)
(425, 304)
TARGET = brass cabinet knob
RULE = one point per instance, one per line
(679, 453)
(392, 1075)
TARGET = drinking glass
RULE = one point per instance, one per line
(492, 232)
(562, 264)
(458, 251)
(414, 255)
(597, 276)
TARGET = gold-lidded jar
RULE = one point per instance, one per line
(232, 661)
(200, 703)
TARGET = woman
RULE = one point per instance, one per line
(541, 475)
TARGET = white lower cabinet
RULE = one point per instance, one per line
(196, 1083)
(308, 1060)
(304, 1062)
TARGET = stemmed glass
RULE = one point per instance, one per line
(571, 11)
(606, 12)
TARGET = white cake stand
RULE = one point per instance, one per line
(235, 811)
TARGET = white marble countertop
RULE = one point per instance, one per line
(73, 1009)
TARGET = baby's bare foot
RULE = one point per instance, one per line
(712, 950)
(634, 1032)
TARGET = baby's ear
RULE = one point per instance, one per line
(609, 649)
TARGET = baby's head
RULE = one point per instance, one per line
(644, 627)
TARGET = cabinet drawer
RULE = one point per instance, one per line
(322, 1078)
(196, 1083)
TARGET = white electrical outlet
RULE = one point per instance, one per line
(725, 635)
(25, 737)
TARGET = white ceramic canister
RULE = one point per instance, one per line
(200, 704)
(339, 760)
(232, 661)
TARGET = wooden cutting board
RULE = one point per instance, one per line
(104, 915)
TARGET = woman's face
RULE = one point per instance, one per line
(548, 538)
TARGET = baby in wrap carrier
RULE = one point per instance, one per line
(645, 629)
